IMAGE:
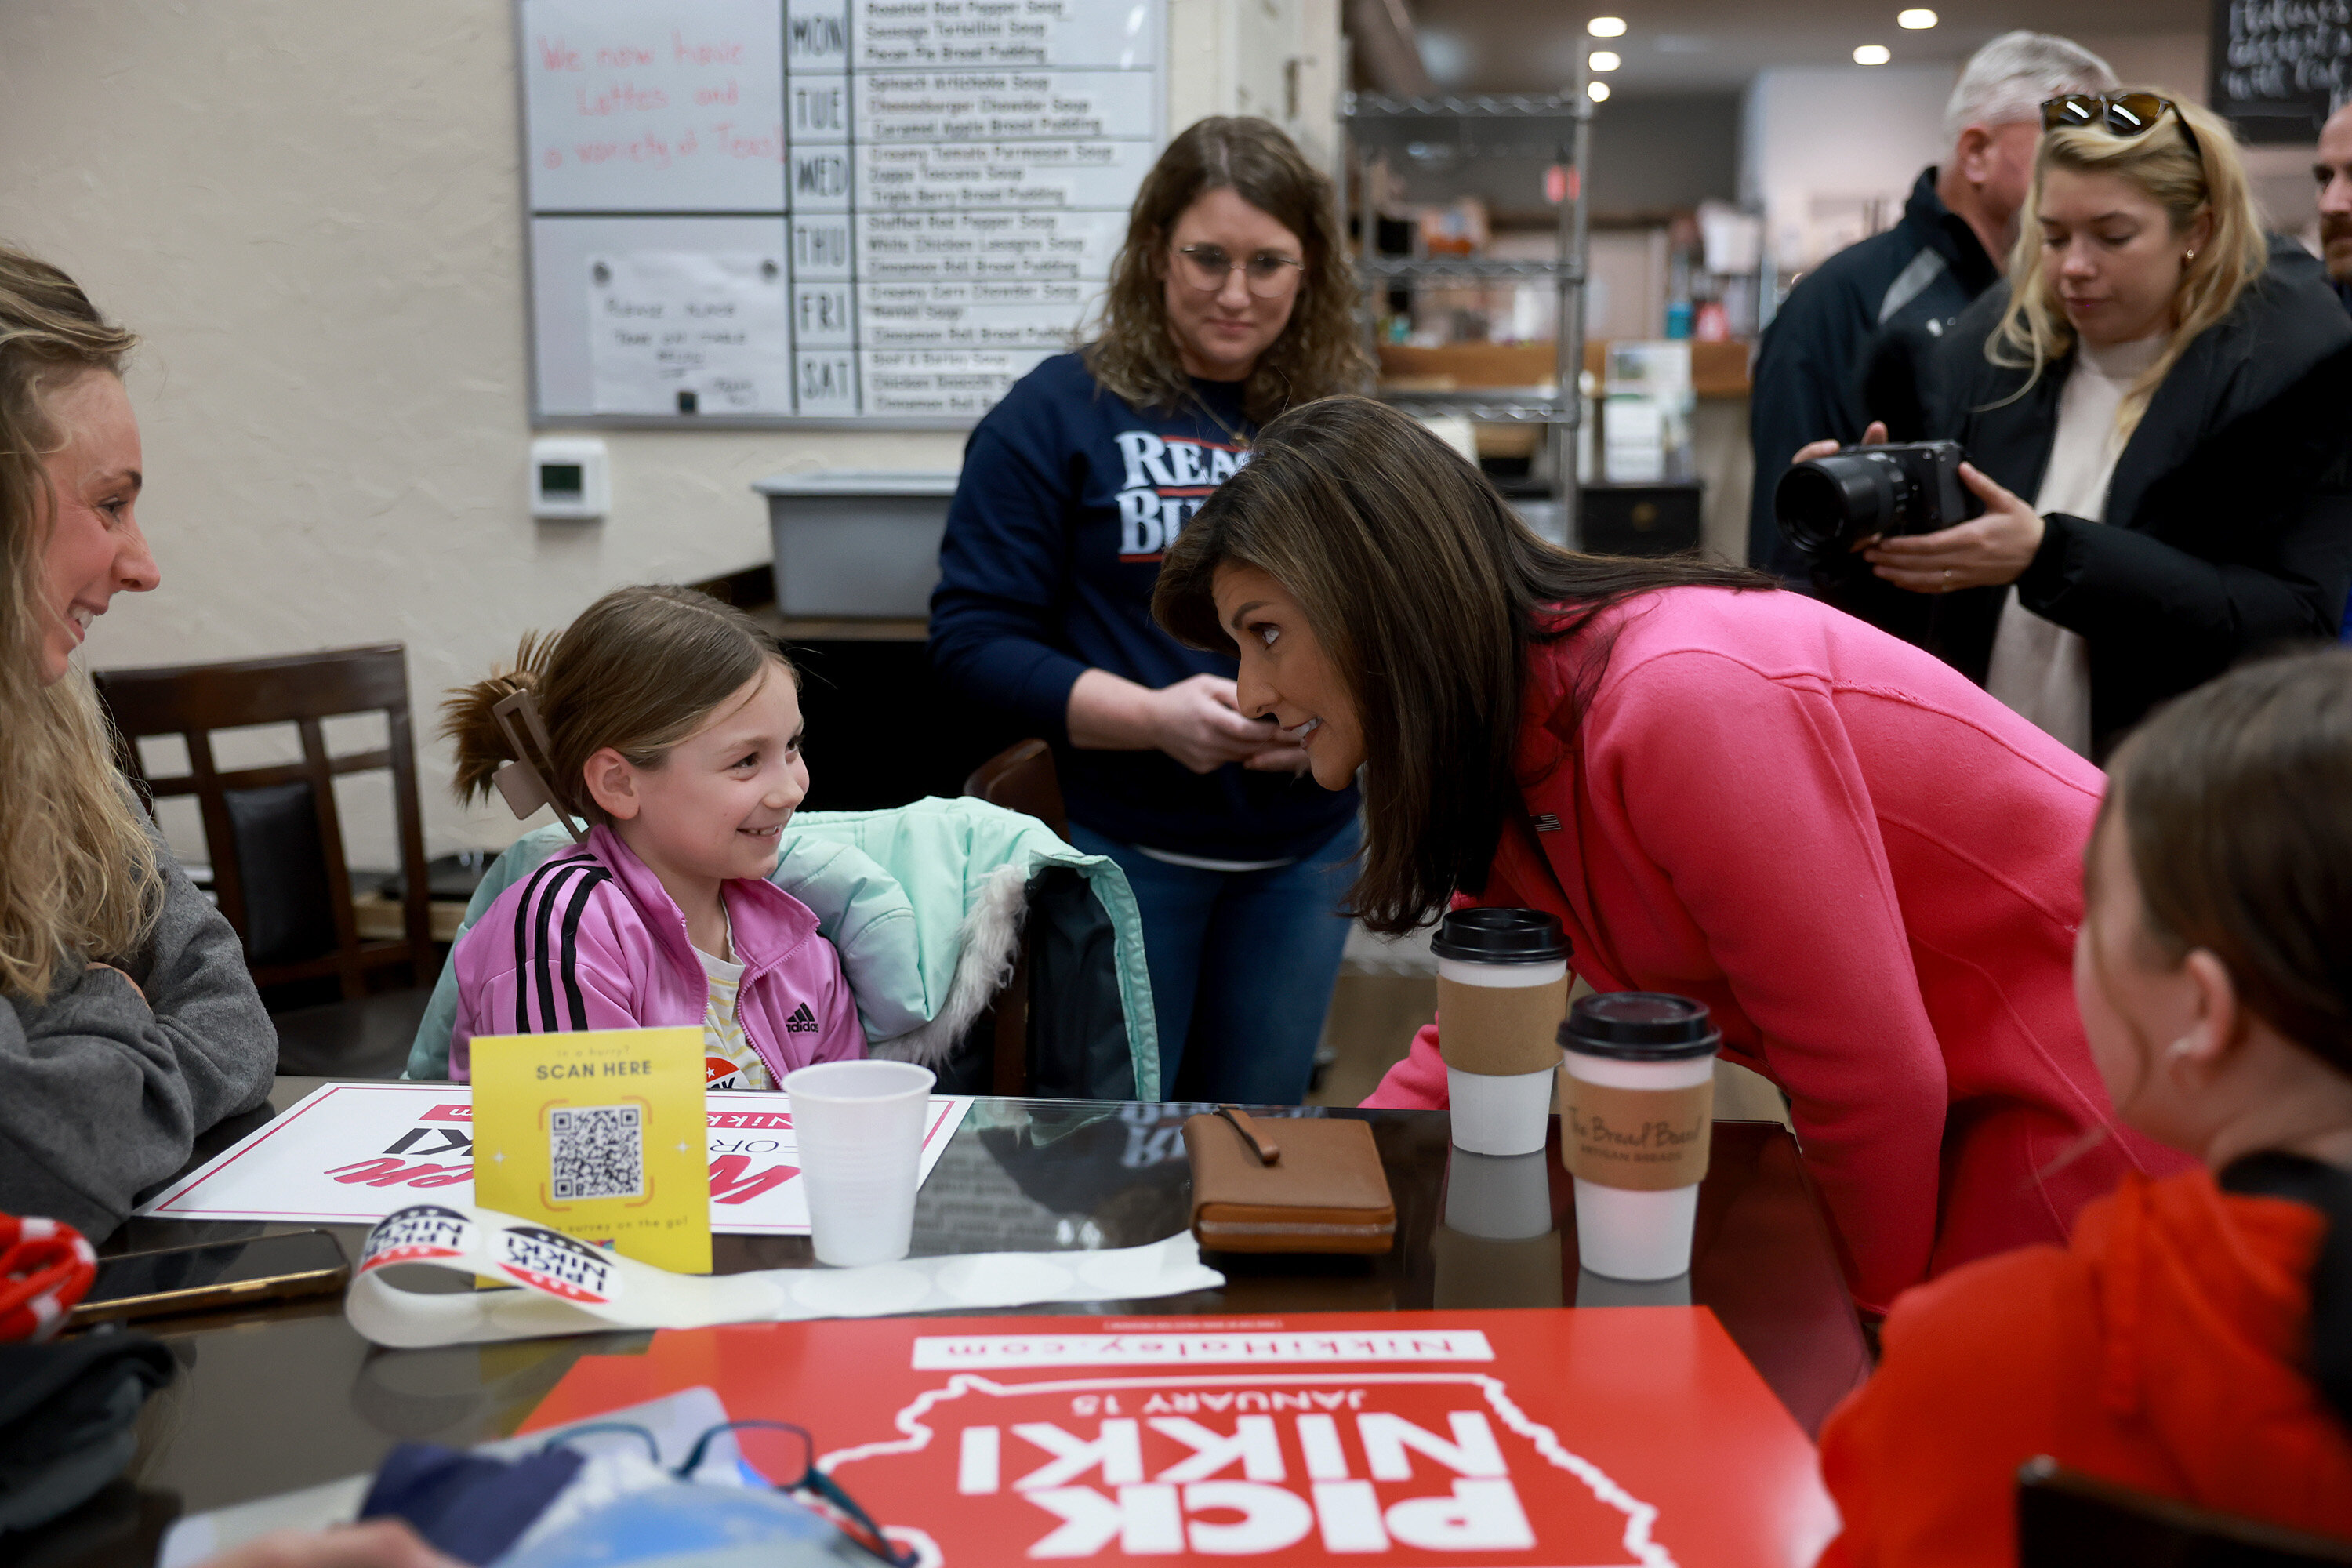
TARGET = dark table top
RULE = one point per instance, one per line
(277, 1398)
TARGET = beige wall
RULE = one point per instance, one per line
(312, 214)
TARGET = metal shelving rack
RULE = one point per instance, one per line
(1562, 411)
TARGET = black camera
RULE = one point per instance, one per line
(1826, 505)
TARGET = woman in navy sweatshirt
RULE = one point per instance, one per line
(1229, 302)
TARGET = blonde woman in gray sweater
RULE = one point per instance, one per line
(130, 1024)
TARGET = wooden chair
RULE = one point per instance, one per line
(1019, 778)
(2066, 1517)
(282, 881)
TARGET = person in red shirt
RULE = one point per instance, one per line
(1864, 864)
(2195, 1341)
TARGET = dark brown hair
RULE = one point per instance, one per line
(1320, 351)
(639, 672)
(2236, 807)
(1427, 594)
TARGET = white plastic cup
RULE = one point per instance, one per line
(859, 1126)
(1500, 1061)
(1641, 1041)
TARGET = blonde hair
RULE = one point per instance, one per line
(77, 866)
(1321, 349)
(639, 672)
(2208, 178)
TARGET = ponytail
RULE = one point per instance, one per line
(480, 740)
(640, 670)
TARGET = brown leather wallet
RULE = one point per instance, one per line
(1298, 1184)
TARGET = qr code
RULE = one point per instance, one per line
(597, 1151)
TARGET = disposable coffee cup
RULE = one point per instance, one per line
(1502, 991)
(1637, 1106)
(859, 1126)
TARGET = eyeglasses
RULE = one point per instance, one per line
(2118, 113)
(1206, 268)
(783, 1453)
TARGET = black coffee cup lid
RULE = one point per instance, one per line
(1500, 936)
(1640, 1025)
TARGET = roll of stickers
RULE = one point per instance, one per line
(45, 1267)
(566, 1286)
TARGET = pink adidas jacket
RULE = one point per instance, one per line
(592, 941)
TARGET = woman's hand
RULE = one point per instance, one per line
(1988, 551)
(126, 975)
(1198, 721)
(1875, 436)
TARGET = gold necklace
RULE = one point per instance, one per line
(1240, 441)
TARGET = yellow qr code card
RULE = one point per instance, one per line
(599, 1134)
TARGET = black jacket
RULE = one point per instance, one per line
(2229, 518)
(1858, 316)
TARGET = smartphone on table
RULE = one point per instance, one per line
(212, 1274)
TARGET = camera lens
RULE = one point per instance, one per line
(1826, 504)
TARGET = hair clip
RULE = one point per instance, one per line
(522, 784)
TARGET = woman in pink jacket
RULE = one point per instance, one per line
(1868, 869)
(672, 723)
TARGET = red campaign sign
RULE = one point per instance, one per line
(1635, 1436)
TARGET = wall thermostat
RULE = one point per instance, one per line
(571, 478)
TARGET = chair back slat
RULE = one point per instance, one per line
(302, 689)
(2069, 1519)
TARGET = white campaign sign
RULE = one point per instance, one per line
(350, 1153)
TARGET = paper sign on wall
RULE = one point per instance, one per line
(682, 332)
(349, 1154)
(597, 1133)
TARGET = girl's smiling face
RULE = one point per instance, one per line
(716, 805)
(1285, 672)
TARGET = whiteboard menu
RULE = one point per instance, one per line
(769, 210)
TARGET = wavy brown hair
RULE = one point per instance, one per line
(639, 672)
(2184, 181)
(78, 877)
(1428, 595)
(1320, 351)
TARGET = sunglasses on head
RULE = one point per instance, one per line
(2117, 113)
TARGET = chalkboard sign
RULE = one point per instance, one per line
(775, 212)
(2280, 67)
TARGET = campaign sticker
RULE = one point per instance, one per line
(560, 1264)
(416, 1234)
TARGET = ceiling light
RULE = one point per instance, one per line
(1597, 91)
(1604, 61)
(1606, 26)
(1919, 19)
(1873, 54)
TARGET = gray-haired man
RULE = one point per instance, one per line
(1950, 247)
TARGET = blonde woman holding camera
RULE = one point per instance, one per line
(2156, 410)
(132, 1024)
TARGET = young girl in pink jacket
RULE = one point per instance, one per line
(671, 723)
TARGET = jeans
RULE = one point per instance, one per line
(1241, 965)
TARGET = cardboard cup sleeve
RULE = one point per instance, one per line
(1500, 1030)
(1636, 1140)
